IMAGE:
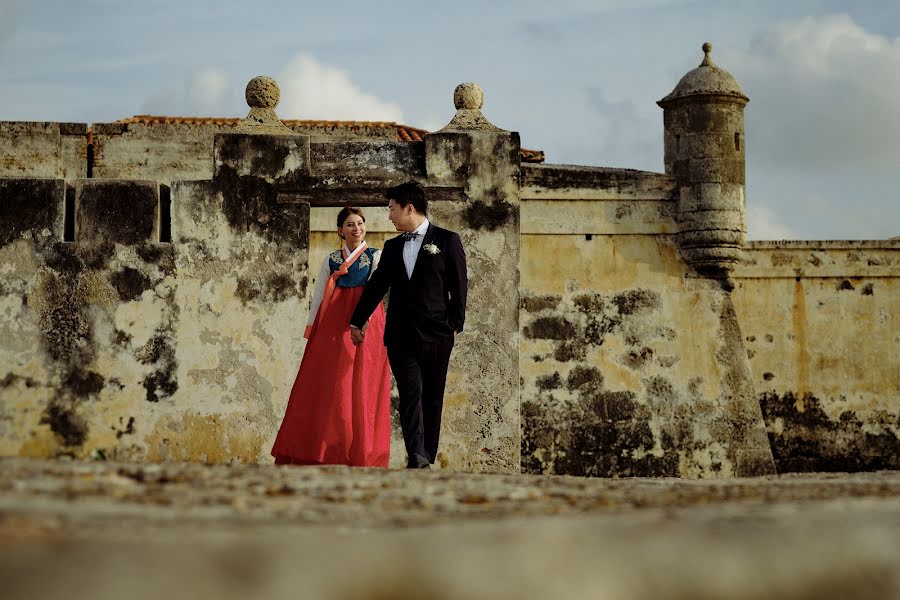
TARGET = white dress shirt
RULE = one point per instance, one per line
(412, 247)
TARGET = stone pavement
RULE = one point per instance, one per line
(110, 530)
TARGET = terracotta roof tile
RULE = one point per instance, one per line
(405, 133)
(531, 156)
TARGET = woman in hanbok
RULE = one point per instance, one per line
(338, 412)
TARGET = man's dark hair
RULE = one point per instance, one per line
(409, 193)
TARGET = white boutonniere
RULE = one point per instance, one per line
(431, 249)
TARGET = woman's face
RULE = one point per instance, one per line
(353, 230)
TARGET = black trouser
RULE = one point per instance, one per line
(420, 369)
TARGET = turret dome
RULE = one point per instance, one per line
(708, 79)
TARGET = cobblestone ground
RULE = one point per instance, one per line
(113, 530)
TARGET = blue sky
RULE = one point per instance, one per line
(578, 79)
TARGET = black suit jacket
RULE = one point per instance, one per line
(432, 304)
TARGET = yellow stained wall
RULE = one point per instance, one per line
(625, 363)
(822, 327)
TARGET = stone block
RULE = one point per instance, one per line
(29, 149)
(734, 171)
(109, 128)
(715, 116)
(732, 220)
(675, 119)
(196, 211)
(73, 129)
(274, 159)
(447, 156)
(375, 160)
(711, 196)
(115, 211)
(578, 183)
(165, 152)
(707, 170)
(680, 169)
(31, 208)
(706, 145)
(711, 257)
(73, 151)
(711, 237)
(671, 146)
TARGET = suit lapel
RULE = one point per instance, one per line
(399, 259)
(429, 236)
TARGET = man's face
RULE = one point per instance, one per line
(401, 216)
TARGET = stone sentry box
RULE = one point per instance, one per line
(268, 177)
(704, 151)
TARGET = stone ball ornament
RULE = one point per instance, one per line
(468, 96)
(262, 92)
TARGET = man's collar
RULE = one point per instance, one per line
(421, 229)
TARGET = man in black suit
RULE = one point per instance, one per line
(425, 270)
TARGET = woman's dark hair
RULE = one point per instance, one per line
(346, 212)
(409, 193)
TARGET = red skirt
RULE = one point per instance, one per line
(339, 409)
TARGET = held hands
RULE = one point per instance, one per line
(357, 335)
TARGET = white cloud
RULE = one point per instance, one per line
(762, 224)
(208, 92)
(312, 90)
(823, 95)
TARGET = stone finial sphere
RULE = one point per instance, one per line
(262, 92)
(468, 95)
(707, 58)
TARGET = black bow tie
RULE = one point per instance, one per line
(409, 236)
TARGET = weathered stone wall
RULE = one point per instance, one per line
(821, 322)
(119, 346)
(73, 150)
(170, 152)
(143, 348)
(165, 153)
(43, 149)
(159, 151)
(612, 228)
(482, 402)
(629, 367)
(29, 149)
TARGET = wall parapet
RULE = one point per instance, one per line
(573, 182)
(573, 200)
(820, 258)
(43, 149)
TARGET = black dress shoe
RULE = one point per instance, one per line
(417, 461)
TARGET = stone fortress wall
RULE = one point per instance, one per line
(619, 325)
